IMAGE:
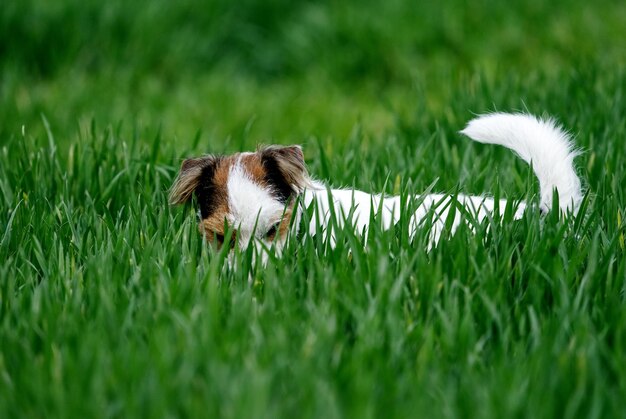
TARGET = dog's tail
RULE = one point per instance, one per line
(540, 142)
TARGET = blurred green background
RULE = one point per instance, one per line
(283, 70)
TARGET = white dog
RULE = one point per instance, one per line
(251, 197)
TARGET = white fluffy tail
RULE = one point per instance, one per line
(540, 142)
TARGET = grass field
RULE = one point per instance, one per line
(112, 306)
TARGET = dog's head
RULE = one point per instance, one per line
(251, 195)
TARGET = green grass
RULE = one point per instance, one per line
(112, 306)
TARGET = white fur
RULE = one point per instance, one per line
(541, 143)
(356, 207)
(253, 209)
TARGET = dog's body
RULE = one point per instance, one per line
(253, 194)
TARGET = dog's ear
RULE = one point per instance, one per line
(285, 169)
(191, 172)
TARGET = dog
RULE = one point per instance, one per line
(259, 197)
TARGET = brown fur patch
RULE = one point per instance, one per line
(214, 229)
(214, 224)
(254, 167)
(221, 172)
